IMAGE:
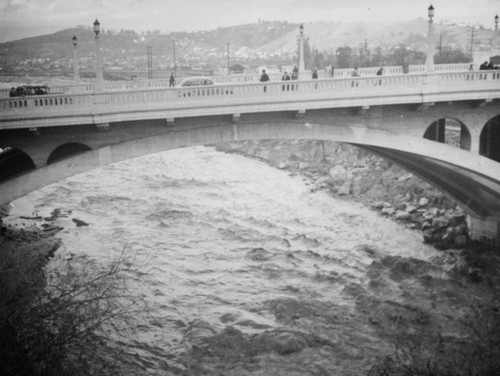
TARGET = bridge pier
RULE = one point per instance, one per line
(485, 230)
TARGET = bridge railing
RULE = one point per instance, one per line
(282, 93)
(86, 87)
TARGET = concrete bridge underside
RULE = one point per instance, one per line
(472, 180)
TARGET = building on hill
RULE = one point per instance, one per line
(237, 68)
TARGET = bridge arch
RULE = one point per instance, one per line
(67, 150)
(449, 131)
(489, 139)
(14, 162)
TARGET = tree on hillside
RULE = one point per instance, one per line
(378, 57)
(448, 55)
(319, 59)
(344, 57)
(400, 55)
(364, 55)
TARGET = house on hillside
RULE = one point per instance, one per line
(237, 68)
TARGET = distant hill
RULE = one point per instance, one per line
(328, 36)
(257, 39)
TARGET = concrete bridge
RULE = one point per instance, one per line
(398, 116)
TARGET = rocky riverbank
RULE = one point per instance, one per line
(346, 171)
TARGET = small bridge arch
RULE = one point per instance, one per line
(13, 162)
(67, 150)
(449, 131)
(489, 139)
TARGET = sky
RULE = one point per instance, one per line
(194, 15)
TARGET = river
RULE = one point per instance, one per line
(247, 272)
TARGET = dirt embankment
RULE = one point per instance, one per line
(346, 171)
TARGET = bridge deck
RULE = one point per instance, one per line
(237, 98)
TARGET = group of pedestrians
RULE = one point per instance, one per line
(487, 66)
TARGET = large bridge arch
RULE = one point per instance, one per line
(489, 139)
(475, 184)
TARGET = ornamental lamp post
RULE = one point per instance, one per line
(98, 73)
(76, 71)
(429, 59)
(301, 48)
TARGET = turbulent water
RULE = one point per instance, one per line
(247, 272)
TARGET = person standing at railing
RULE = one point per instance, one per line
(380, 72)
(315, 74)
(295, 73)
(264, 78)
(355, 73)
(286, 77)
(171, 81)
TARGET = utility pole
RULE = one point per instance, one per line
(150, 62)
(441, 45)
(472, 37)
(228, 58)
(173, 42)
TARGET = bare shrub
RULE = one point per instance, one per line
(476, 354)
(53, 320)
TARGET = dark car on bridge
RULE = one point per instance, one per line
(25, 90)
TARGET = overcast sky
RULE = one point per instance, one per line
(192, 15)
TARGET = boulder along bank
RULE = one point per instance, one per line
(346, 171)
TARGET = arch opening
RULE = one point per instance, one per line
(449, 131)
(66, 151)
(14, 162)
(489, 140)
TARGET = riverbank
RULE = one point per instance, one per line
(353, 174)
(443, 317)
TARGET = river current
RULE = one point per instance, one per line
(248, 272)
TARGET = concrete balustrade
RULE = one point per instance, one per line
(132, 103)
(247, 78)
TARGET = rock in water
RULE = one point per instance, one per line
(79, 222)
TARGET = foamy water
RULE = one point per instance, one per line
(230, 242)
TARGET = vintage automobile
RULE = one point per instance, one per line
(197, 81)
(25, 90)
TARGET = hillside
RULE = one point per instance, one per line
(257, 43)
(328, 36)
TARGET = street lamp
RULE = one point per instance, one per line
(429, 59)
(76, 72)
(301, 48)
(98, 73)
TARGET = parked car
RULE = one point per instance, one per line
(197, 81)
(22, 91)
